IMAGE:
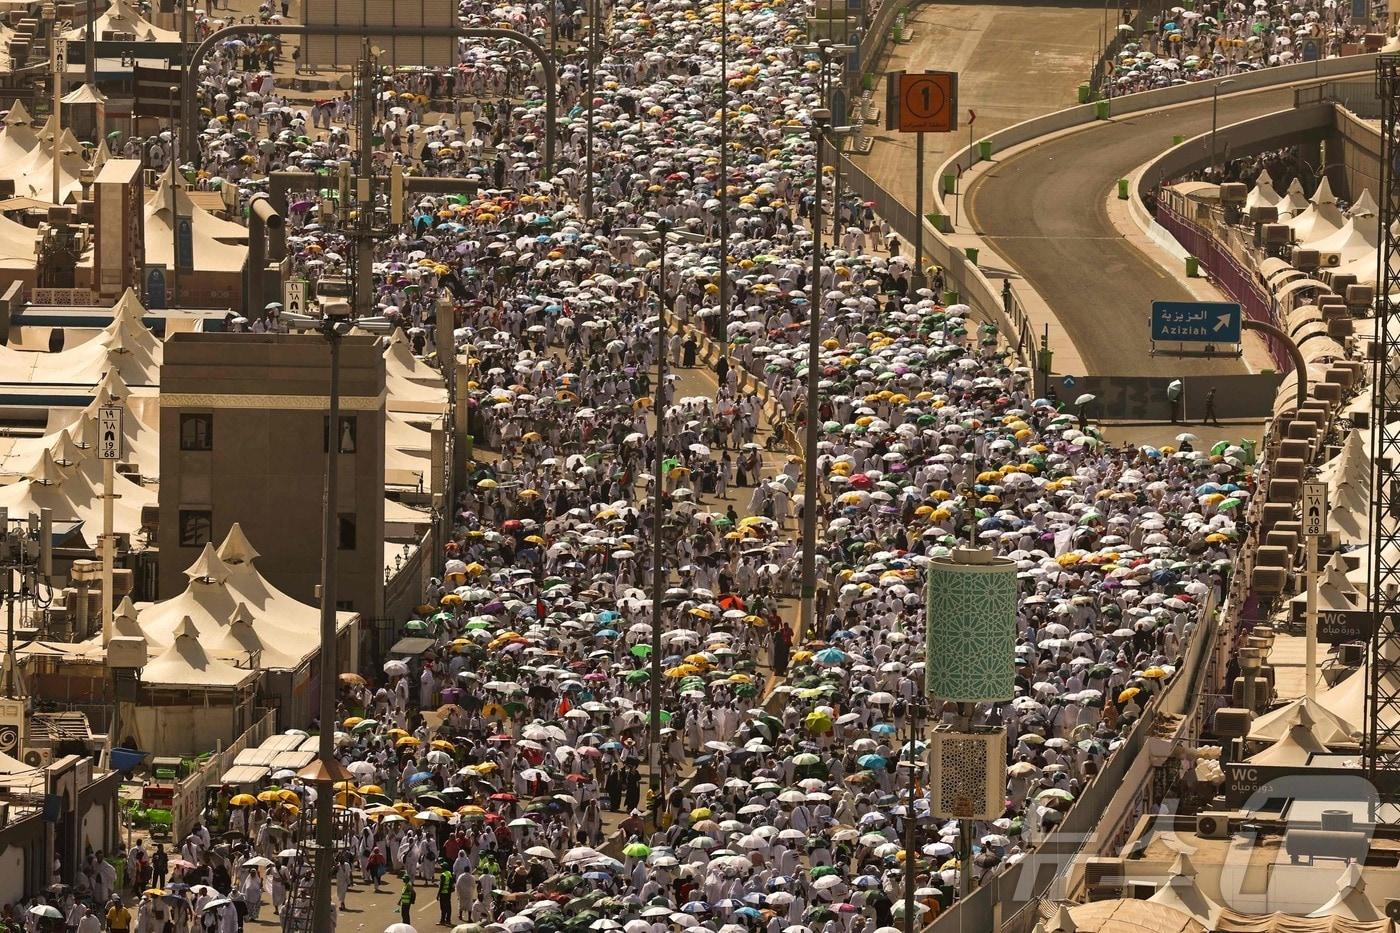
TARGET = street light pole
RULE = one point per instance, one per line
(821, 118)
(593, 9)
(911, 819)
(1214, 112)
(723, 192)
(322, 919)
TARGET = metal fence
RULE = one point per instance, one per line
(1357, 96)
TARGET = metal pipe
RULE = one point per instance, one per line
(1300, 366)
(364, 248)
(1214, 112)
(807, 620)
(551, 82)
(911, 817)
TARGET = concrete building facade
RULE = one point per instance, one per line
(244, 426)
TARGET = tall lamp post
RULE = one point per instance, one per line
(1214, 112)
(832, 53)
(594, 9)
(723, 192)
(660, 232)
(819, 128)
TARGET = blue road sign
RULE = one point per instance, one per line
(1196, 321)
(184, 244)
(1069, 382)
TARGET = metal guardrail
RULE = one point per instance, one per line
(1357, 96)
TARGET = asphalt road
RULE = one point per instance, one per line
(1045, 211)
(993, 46)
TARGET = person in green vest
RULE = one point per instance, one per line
(406, 898)
(445, 892)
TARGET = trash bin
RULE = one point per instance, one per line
(984, 149)
(936, 220)
(1101, 110)
(971, 253)
(950, 183)
(950, 297)
(470, 441)
(1122, 189)
(1193, 267)
(1178, 139)
(1083, 93)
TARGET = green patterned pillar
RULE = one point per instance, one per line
(971, 631)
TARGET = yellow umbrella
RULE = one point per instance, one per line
(371, 789)
(243, 800)
(407, 741)
(270, 796)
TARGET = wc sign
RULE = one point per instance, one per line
(109, 433)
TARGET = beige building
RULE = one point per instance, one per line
(243, 431)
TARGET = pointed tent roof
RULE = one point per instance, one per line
(1350, 900)
(1294, 200)
(1294, 748)
(1327, 726)
(124, 619)
(85, 94)
(208, 567)
(122, 17)
(1263, 194)
(1182, 893)
(1320, 218)
(46, 472)
(171, 198)
(236, 548)
(186, 664)
(65, 452)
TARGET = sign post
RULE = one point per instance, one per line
(1208, 322)
(1314, 527)
(294, 296)
(110, 447)
(919, 104)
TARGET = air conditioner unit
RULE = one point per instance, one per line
(1306, 260)
(1139, 890)
(1329, 260)
(1263, 214)
(38, 757)
(1213, 825)
(1352, 653)
(1277, 235)
(1232, 722)
(1103, 878)
(968, 774)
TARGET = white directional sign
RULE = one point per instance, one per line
(1314, 509)
(294, 296)
(110, 442)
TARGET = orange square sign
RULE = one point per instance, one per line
(927, 102)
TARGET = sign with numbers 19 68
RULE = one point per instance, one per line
(109, 433)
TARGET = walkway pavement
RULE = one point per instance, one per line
(1015, 61)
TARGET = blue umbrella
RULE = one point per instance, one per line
(873, 762)
(696, 907)
(830, 656)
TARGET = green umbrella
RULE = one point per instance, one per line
(636, 850)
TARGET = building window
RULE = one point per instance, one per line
(197, 432)
(196, 527)
(347, 531)
(348, 426)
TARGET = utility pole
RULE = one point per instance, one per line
(594, 7)
(364, 248)
(821, 119)
(723, 192)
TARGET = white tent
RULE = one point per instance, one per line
(186, 664)
(1182, 893)
(122, 17)
(1263, 194)
(1321, 218)
(1294, 748)
(171, 192)
(32, 174)
(1350, 901)
(1358, 238)
(1293, 202)
(399, 360)
(1327, 726)
(211, 254)
(17, 137)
